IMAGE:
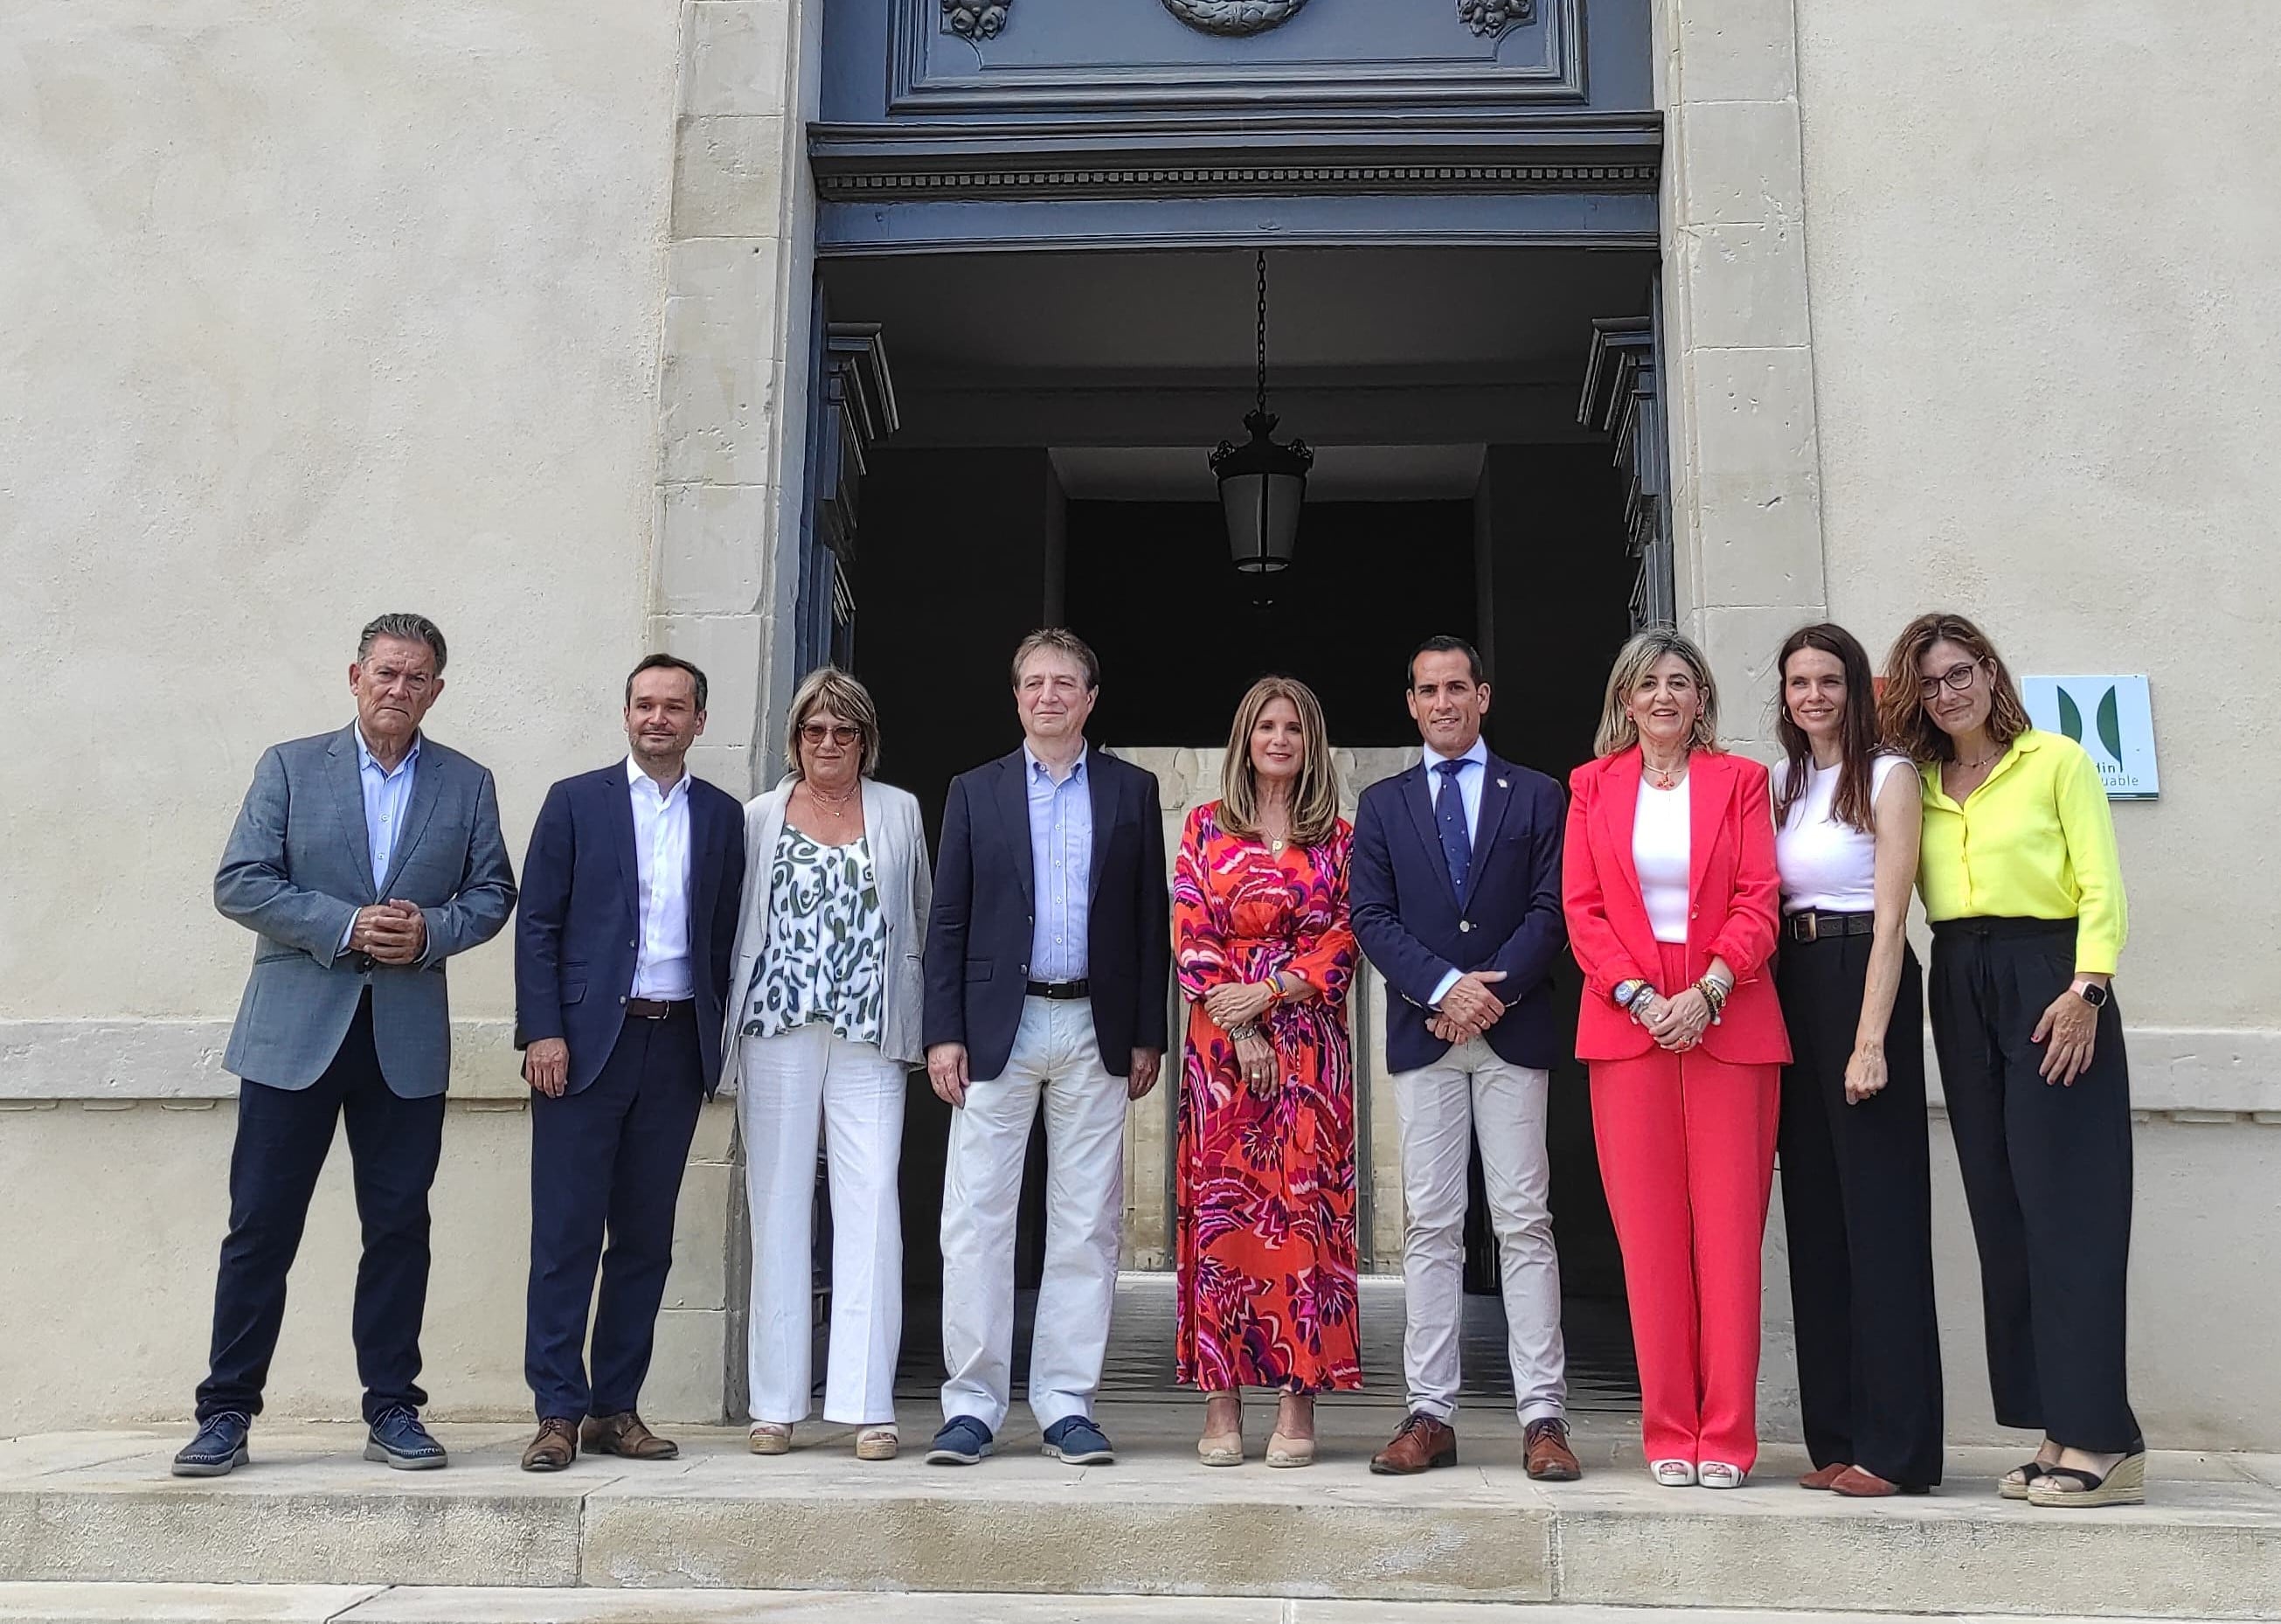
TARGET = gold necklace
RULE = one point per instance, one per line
(1665, 777)
(838, 806)
(1995, 754)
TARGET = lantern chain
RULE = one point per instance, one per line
(1262, 332)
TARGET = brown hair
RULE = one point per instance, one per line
(1853, 805)
(1618, 732)
(1061, 641)
(1314, 798)
(829, 688)
(1907, 725)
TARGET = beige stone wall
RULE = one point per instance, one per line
(2041, 262)
(311, 312)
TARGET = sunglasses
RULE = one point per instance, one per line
(837, 732)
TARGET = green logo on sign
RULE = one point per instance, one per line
(2109, 722)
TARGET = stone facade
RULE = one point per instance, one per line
(499, 310)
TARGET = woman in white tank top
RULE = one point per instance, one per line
(1856, 1165)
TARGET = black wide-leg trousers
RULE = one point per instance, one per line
(2046, 1175)
(1857, 1202)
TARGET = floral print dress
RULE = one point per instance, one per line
(1267, 1255)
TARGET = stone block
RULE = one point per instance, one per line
(1757, 540)
(178, 1604)
(1736, 50)
(1746, 287)
(712, 546)
(729, 173)
(727, 765)
(716, 1127)
(1070, 1537)
(700, 1242)
(685, 1373)
(1741, 643)
(1737, 163)
(287, 1524)
(1747, 413)
(427, 1605)
(738, 56)
(729, 647)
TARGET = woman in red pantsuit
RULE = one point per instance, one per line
(1671, 893)
(1266, 1257)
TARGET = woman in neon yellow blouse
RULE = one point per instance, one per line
(2018, 873)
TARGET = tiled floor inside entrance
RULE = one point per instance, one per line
(1602, 1377)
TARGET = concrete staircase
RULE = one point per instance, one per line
(98, 1509)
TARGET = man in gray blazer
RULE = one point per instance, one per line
(361, 860)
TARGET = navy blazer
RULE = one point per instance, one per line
(979, 931)
(574, 939)
(1416, 929)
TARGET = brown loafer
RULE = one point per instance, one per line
(1550, 1459)
(1822, 1477)
(1860, 1484)
(1419, 1444)
(624, 1435)
(555, 1447)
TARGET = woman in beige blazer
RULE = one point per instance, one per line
(823, 1024)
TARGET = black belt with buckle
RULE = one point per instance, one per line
(657, 1009)
(1811, 924)
(1060, 989)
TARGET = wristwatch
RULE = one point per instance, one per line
(1629, 993)
(2091, 993)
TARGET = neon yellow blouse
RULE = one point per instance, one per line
(2035, 841)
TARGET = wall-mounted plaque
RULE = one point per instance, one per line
(2109, 716)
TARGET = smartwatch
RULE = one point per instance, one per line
(2091, 993)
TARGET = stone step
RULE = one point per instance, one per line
(100, 1507)
(224, 1603)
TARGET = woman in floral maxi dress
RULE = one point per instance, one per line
(1266, 1257)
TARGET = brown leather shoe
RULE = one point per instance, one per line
(624, 1435)
(1551, 1460)
(1419, 1444)
(1822, 1477)
(555, 1447)
(1860, 1484)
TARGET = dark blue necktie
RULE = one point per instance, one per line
(1449, 818)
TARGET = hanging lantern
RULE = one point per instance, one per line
(1261, 485)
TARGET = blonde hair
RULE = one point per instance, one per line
(1618, 730)
(829, 688)
(1314, 798)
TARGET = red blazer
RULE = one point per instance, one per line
(1733, 904)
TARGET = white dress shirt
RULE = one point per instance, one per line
(387, 799)
(1470, 776)
(661, 861)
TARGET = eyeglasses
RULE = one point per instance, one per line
(1957, 676)
(837, 732)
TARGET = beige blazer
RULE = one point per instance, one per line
(906, 882)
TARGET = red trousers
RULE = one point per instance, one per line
(1687, 1152)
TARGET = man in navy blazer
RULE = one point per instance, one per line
(1455, 891)
(1048, 959)
(622, 958)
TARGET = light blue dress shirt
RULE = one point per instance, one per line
(1061, 868)
(1470, 777)
(387, 799)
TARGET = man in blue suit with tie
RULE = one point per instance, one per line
(1454, 887)
(622, 961)
(362, 861)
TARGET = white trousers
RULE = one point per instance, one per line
(1057, 1061)
(1470, 1092)
(803, 1085)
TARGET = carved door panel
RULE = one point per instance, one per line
(1623, 399)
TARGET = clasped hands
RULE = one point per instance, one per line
(1676, 1023)
(391, 933)
(1470, 1007)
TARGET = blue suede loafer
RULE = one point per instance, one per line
(963, 1441)
(399, 1439)
(220, 1447)
(1076, 1440)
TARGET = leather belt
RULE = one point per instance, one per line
(1812, 925)
(1060, 989)
(657, 1009)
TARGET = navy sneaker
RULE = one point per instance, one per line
(220, 1447)
(399, 1439)
(963, 1441)
(1076, 1440)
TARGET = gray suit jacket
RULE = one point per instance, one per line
(297, 867)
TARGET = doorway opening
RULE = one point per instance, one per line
(1049, 467)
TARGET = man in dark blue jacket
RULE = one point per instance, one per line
(621, 957)
(1455, 886)
(1047, 962)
